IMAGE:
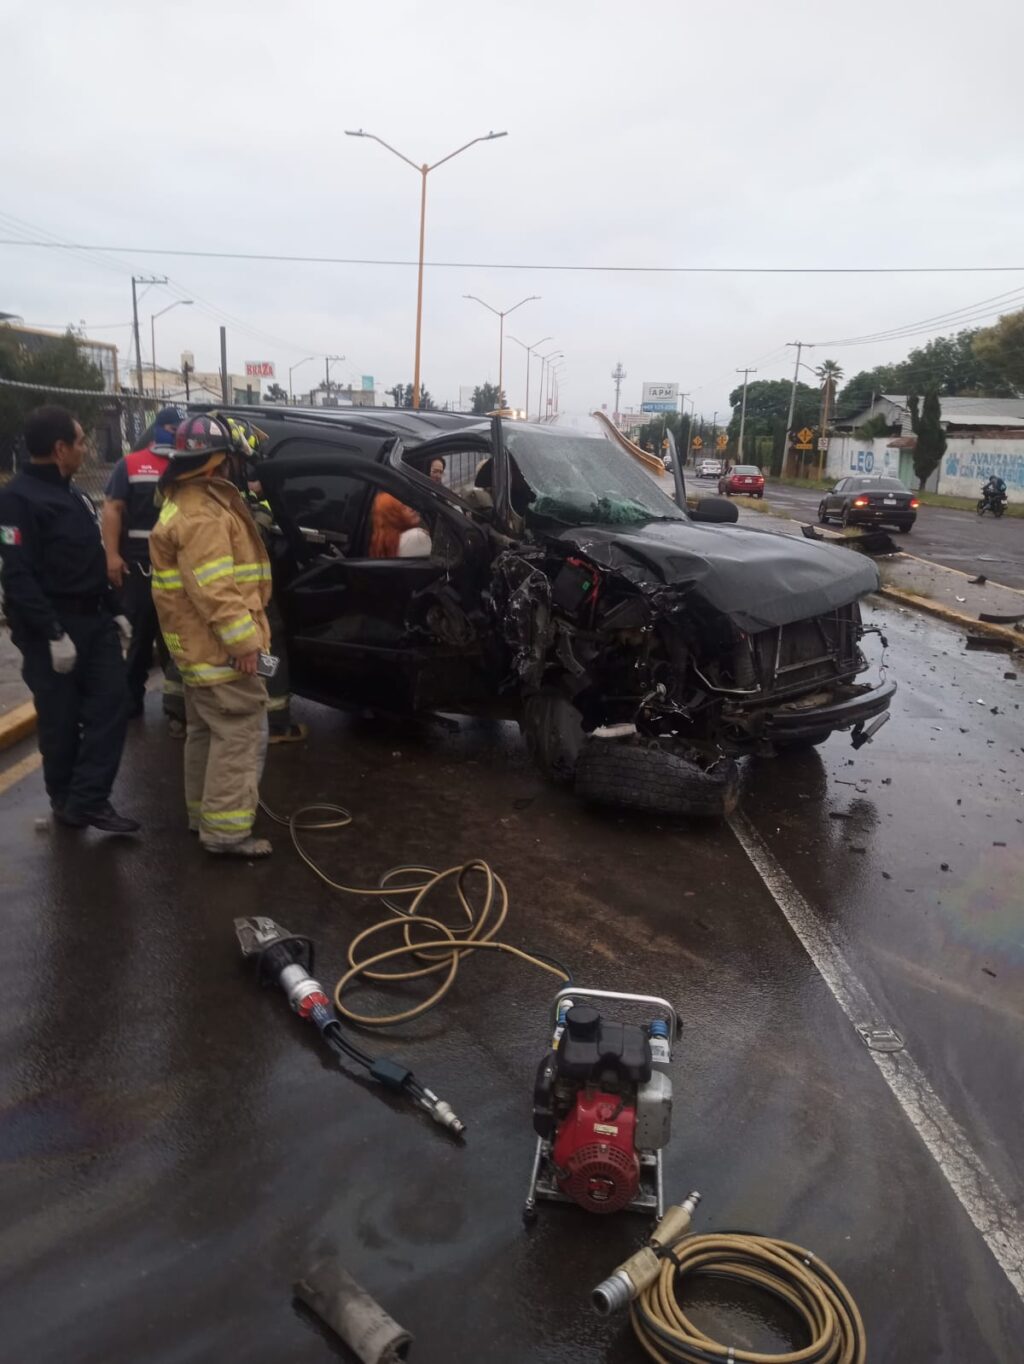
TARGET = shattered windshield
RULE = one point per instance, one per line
(585, 480)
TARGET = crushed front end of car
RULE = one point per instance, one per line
(654, 656)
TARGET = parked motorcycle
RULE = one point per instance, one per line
(993, 500)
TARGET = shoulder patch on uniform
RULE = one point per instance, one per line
(10, 535)
(167, 512)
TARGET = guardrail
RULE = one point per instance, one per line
(652, 462)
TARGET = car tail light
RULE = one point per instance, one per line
(914, 502)
(861, 502)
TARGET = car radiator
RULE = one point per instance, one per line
(805, 653)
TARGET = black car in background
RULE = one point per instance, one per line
(641, 648)
(864, 501)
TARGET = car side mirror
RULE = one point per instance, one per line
(718, 509)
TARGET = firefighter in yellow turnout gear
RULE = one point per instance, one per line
(211, 585)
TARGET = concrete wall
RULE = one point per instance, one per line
(967, 463)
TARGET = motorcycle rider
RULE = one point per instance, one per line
(994, 491)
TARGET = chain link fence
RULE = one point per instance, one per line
(114, 423)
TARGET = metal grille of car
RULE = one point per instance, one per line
(809, 652)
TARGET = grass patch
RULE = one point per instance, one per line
(814, 485)
(964, 503)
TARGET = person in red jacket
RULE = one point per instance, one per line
(129, 515)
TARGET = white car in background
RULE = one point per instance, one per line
(709, 468)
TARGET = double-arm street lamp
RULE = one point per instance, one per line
(423, 170)
(529, 356)
(184, 302)
(544, 359)
(501, 314)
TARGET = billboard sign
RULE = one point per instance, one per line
(659, 397)
(260, 369)
(367, 383)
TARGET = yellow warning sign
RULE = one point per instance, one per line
(722, 442)
(698, 444)
(805, 436)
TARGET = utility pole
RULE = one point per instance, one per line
(140, 279)
(792, 402)
(224, 364)
(743, 413)
(618, 374)
(327, 379)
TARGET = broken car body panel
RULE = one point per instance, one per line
(559, 581)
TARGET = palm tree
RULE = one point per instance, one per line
(829, 374)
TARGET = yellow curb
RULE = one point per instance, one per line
(14, 774)
(946, 613)
(17, 724)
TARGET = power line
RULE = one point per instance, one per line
(281, 258)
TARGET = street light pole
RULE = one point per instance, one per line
(291, 371)
(743, 413)
(529, 356)
(185, 302)
(551, 355)
(553, 372)
(423, 171)
(501, 314)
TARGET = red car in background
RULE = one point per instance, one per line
(745, 478)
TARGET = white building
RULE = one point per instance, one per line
(984, 436)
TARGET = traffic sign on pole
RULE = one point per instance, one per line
(722, 442)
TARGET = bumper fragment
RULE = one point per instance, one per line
(856, 710)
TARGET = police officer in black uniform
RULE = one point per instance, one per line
(66, 621)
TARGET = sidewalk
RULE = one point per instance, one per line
(944, 592)
(13, 691)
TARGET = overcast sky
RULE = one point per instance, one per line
(651, 134)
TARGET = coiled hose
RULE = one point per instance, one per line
(788, 1272)
(442, 949)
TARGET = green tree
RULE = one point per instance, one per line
(654, 430)
(60, 364)
(1001, 349)
(767, 409)
(486, 398)
(402, 397)
(874, 426)
(857, 393)
(952, 365)
(931, 439)
(275, 394)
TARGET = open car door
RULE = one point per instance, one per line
(395, 634)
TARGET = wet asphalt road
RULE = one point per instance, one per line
(175, 1146)
(963, 540)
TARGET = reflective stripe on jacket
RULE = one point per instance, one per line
(211, 580)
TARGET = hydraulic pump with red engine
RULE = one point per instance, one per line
(602, 1105)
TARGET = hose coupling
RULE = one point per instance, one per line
(443, 1113)
(630, 1279)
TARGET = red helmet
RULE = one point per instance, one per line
(201, 435)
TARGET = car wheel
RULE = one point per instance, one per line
(554, 733)
(846, 519)
(637, 776)
(905, 530)
(805, 741)
(822, 514)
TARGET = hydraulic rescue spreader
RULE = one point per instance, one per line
(286, 959)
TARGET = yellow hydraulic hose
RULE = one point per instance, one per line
(441, 947)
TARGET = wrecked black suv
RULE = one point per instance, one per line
(640, 648)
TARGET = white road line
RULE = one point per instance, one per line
(982, 1199)
(19, 770)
